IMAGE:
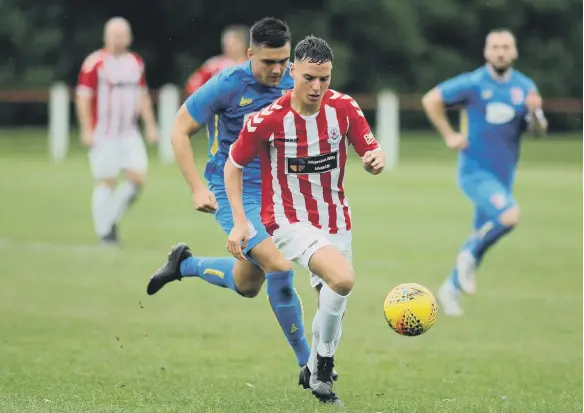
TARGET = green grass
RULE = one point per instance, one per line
(79, 334)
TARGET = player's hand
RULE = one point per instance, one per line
(204, 201)
(87, 137)
(456, 141)
(151, 134)
(533, 101)
(237, 240)
(374, 162)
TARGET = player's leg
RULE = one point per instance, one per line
(310, 247)
(497, 213)
(343, 243)
(105, 168)
(246, 279)
(282, 295)
(134, 162)
(449, 293)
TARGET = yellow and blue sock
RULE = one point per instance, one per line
(288, 310)
(215, 270)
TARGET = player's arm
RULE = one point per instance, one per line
(86, 89)
(190, 118)
(457, 90)
(242, 152)
(536, 120)
(362, 139)
(146, 110)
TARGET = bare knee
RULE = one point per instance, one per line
(137, 178)
(510, 217)
(342, 282)
(248, 279)
(109, 182)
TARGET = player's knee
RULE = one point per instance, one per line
(510, 217)
(342, 283)
(137, 178)
(109, 182)
(249, 290)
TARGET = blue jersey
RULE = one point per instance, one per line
(224, 103)
(493, 118)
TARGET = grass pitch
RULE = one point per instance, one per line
(79, 334)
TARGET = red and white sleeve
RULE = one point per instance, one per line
(251, 137)
(87, 80)
(359, 133)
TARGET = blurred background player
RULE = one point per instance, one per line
(499, 103)
(111, 92)
(234, 42)
(227, 100)
(302, 141)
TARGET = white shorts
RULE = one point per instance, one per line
(298, 242)
(108, 157)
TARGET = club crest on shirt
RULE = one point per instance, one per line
(517, 95)
(334, 135)
(486, 94)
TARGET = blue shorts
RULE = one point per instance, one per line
(489, 195)
(252, 201)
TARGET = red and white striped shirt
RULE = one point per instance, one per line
(116, 85)
(303, 160)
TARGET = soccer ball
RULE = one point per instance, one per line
(410, 309)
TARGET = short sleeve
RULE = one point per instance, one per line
(359, 132)
(254, 133)
(210, 98)
(457, 90)
(87, 79)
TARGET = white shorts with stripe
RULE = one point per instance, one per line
(298, 242)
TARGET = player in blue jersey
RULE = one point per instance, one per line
(499, 104)
(224, 103)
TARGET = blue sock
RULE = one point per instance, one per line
(215, 270)
(288, 310)
(488, 235)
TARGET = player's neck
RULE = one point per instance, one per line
(500, 77)
(114, 52)
(301, 108)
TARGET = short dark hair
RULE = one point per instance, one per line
(314, 50)
(270, 32)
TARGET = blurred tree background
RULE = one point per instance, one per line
(406, 45)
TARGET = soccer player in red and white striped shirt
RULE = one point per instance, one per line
(302, 140)
(234, 42)
(111, 94)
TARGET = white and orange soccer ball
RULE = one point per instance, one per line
(410, 309)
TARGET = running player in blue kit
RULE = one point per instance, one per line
(499, 104)
(224, 103)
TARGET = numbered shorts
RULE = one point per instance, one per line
(298, 242)
(252, 207)
(109, 156)
(489, 195)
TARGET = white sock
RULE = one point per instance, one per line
(122, 199)
(331, 309)
(315, 339)
(101, 207)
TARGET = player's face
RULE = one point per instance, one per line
(233, 45)
(269, 64)
(118, 37)
(500, 50)
(311, 81)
